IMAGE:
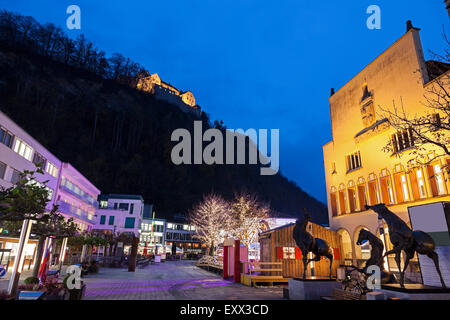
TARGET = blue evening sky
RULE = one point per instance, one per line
(253, 64)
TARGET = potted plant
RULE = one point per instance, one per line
(55, 290)
(75, 294)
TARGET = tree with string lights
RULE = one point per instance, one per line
(248, 214)
(212, 220)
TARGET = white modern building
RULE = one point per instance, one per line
(20, 151)
(121, 213)
(77, 197)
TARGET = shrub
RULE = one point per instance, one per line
(31, 280)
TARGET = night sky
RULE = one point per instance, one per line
(253, 64)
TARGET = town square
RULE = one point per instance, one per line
(252, 153)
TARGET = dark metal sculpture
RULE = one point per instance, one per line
(307, 243)
(376, 256)
(406, 240)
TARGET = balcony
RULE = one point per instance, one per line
(68, 209)
(84, 198)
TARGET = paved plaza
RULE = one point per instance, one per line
(171, 280)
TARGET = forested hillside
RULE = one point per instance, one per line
(82, 106)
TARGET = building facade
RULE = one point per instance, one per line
(19, 151)
(182, 234)
(77, 197)
(119, 213)
(152, 234)
(358, 170)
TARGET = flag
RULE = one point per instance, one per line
(43, 270)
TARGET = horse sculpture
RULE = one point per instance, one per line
(307, 243)
(406, 240)
(376, 255)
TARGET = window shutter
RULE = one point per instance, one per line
(298, 253)
(279, 252)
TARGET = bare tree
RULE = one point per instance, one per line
(429, 132)
(212, 220)
(248, 215)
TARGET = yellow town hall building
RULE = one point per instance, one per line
(357, 170)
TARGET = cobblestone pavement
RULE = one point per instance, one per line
(171, 280)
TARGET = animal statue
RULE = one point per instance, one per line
(376, 256)
(405, 239)
(307, 243)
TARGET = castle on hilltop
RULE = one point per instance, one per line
(165, 91)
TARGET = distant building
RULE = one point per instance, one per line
(182, 234)
(152, 234)
(120, 213)
(165, 91)
(77, 197)
(357, 170)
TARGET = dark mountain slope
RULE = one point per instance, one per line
(119, 138)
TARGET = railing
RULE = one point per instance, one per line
(250, 267)
(89, 200)
(210, 261)
(69, 209)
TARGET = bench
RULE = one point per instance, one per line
(339, 294)
(143, 262)
(271, 267)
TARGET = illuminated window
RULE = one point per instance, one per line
(362, 196)
(23, 149)
(333, 201)
(51, 169)
(401, 187)
(342, 201)
(436, 179)
(373, 192)
(353, 161)
(352, 199)
(386, 190)
(402, 140)
(417, 184)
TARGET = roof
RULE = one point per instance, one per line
(372, 127)
(278, 228)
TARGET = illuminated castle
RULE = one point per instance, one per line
(165, 91)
